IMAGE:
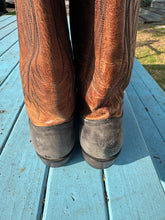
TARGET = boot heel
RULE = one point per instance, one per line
(101, 141)
(99, 163)
(53, 144)
(56, 163)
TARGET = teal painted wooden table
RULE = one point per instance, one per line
(133, 188)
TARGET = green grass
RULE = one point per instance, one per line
(11, 13)
(150, 51)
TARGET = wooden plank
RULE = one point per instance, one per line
(149, 16)
(158, 5)
(75, 192)
(151, 84)
(7, 22)
(132, 185)
(153, 140)
(11, 101)
(141, 20)
(7, 30)
(150, 104)
(22, 176)
(4, 17)
(7, 42)
(8, 61)
(159, 11)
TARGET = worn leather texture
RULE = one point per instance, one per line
(53, 142)
(104, 38)
(101, 139)
(46, 63)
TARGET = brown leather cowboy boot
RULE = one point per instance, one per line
(104, 37)
(47, 75)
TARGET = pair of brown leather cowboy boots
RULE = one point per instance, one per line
(92, 77)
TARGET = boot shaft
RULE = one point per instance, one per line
(46, 64)
(104, 37)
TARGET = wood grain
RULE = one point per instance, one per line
(7, 22)
(3, 18)
(155, 90)
(133, 187)
(155, 111)
(6, 67)
(11, 101)
(75, 191)
(22, 176)
(8, 42)
(152, 135)
(4, 31)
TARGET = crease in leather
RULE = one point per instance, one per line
(104, 38)
(46, 63)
